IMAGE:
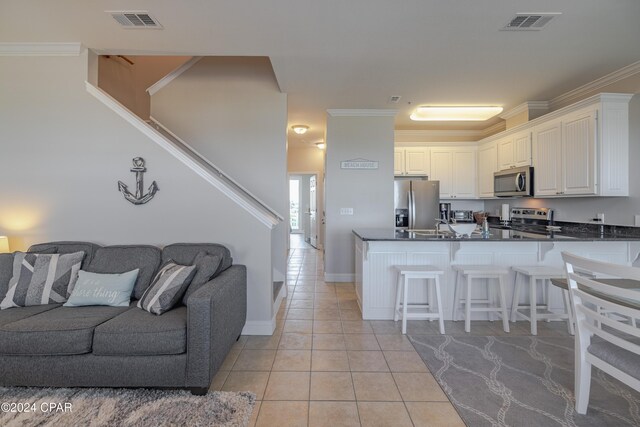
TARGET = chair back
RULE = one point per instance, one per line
(602, 299)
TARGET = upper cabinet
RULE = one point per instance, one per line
(487, 165)
(514, 150)
(411, 161)
(584, 152)
(455, 168)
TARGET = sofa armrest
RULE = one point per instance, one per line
(216, 314)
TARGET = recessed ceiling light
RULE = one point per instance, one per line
(457, 113)
(300, 129)
(321, 145)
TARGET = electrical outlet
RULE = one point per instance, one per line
(346, 211)
(637, 220)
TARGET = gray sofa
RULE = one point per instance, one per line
(99, 346)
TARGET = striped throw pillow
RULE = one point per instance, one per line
(167, 287)
(40, 279)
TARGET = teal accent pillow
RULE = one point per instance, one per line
(103, 289)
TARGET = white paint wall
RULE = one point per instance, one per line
(368, 192)
(231, 110)
(62, 155)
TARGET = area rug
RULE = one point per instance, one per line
(98, 407)
(522, 381)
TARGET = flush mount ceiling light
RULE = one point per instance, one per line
(321, 145)
(456, 113)
(300, 129)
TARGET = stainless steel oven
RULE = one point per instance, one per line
(515, 182)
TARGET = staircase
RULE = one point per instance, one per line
(192, 159)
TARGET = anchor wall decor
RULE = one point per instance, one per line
(138, 198)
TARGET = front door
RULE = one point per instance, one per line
(313, 227)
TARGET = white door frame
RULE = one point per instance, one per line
(317, 175)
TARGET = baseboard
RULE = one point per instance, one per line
(259, 327)
(328, 277)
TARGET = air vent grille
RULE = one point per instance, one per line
(394, 99)
(135, 19)
(529, 21)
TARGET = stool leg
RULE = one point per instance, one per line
(456, 301)
(545, 295)
(491, 297)
(516, 298)
(533, 315)
(467, 305)
(430, 308)
(439, 300)
(503, 304)
(569, 310)
(396, 313)
(404, 305)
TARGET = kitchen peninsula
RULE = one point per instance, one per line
(377, 250)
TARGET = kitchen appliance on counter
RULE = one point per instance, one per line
(514, 182)
(445, 212)
(540, 216)
(462, 216)
(416, 203)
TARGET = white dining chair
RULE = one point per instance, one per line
(601, 339)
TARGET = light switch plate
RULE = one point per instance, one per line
(346, 211)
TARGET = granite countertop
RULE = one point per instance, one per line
(495, 235)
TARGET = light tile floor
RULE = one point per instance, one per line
(325, 366)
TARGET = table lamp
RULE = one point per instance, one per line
(4, 244)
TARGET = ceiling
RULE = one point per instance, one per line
(357, 53)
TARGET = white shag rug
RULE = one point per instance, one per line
(98, 407)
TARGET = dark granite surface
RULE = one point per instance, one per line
(516, 233)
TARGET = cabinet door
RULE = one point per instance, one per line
(441, 170)
(464, 174)
(578, 153)
(398, 161)
(547, 159)
(416, 161)
(487, 165)
(522, 149)
(505, 153)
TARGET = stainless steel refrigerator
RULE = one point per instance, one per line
(416, 203)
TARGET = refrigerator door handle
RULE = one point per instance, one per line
(412, 210)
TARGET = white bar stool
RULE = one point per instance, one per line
(432, 276)
(469, 273)
(544, 275)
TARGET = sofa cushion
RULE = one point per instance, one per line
(120, 259)
(66, 248)
(40, 279)
(185, 254)
(137, 332)
(167, 288)
(18, 313)
(6, 271)
(206, 267)
(60, 331)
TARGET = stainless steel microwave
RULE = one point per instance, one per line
(515, 182)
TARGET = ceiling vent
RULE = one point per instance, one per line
(135, 19)
(394, 99)
(529, 21)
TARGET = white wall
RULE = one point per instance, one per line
(368, 192)
(231, 110)
(617, 210)
(310, 159)
(62, 155)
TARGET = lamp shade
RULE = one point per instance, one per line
(4, 244)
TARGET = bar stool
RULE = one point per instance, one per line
(469, 273)
(545, 275)
(432, 275)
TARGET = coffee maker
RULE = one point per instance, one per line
(445, 212)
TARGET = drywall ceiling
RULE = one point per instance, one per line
(357, 53)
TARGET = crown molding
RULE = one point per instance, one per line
(525, 106)
(40, 49)
(427, 133)
(498, 127)
(361, 113)
(597, 84)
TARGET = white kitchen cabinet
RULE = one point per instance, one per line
(487, 165)
(547, 158)
(514, 150)
(411, 161)
(455, 168)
